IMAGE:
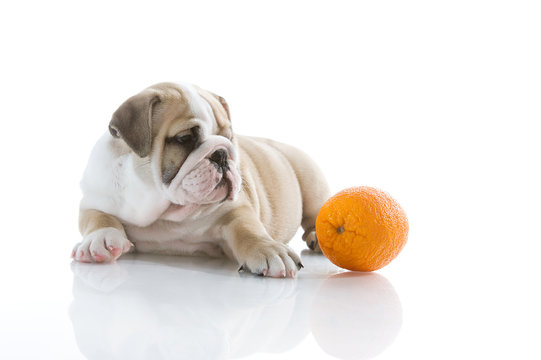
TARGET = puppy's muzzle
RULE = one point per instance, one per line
(209, 174)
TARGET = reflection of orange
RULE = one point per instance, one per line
(361, 229)
(355, 315)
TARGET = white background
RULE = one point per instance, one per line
(435, 102)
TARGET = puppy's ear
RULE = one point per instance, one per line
(132, 122)
(224, 104)
(220, 108)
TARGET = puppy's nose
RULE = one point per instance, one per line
(219, 157)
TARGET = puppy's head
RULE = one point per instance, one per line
(186, 134)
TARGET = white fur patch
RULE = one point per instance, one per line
(199, 107)
(121, 185)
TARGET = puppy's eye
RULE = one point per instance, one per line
(184, 139)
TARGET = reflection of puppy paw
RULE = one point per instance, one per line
(318, 265)
(103, 245)
(272, 259)
(311, 240)
(102, 278)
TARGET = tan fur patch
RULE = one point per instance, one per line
(91, 220)
(220, 110)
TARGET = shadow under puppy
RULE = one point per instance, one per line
(171, 177)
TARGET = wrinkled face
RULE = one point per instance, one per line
(186, 133)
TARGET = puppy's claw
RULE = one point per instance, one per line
(300, 266)
(241, 269)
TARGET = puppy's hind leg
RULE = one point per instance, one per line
(315, 192)
(314, 189)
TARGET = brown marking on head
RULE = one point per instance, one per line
(176, 150)
(132, 121)
(155, 120)
(220, 108)
(137, 120)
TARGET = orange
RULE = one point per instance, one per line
(361, 229)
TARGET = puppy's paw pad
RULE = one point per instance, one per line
(99, 257)
(115, 252)
(83, 256)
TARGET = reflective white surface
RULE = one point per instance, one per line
(152, 307)
(166, 307)
(437, 103)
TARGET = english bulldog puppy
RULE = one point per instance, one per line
(171, 177)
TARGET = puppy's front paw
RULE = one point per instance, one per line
(271, 259)
(103, 245)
